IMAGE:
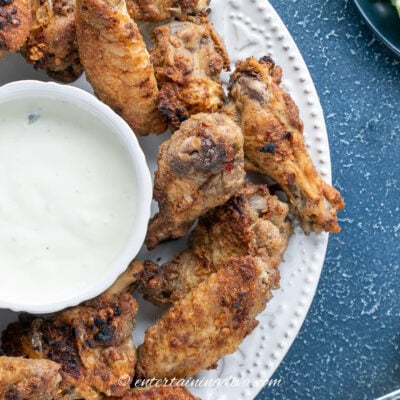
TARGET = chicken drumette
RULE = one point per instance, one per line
(274, 143)
(159, 10)
(252, 222)
(199, 168)
(188, 58)
(210, 322)
(23, 379)
(117, 63)
(92, 341)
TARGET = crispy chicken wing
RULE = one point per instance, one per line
(159, 10)
(23, 379)
(210, 322)
(158, 393)
(274, 143)
(92, 341)
(188, 58)
(117, 63)
(51, 44)
(251, 222)
(15, 23)
(199, 168)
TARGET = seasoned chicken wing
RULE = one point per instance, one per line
(199, 168)
(117, 63)
(23, 379)
(158, 393)
(51, 44)
(188, 58)
(210, 322)
(92, 341)
(15, 23)
(274, 143)
(252, 222)
(159, 10)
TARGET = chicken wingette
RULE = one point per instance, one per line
(252, 222)
(188, 57)
(208, 323)
(117, 64)
(199, 168)
(92, 342)
(162, 392)
(274, 143)
(23, 379)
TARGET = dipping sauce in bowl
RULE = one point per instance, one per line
(75, 195)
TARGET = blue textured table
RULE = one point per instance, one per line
(349, 345)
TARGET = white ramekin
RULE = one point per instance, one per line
(117, 127)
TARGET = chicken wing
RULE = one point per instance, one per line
(165, 392)
(188, 58)
(51, 44)
(117, 63)
(199, 168)
(274, 143)
(159, 10)
(251, 222)
(23, 379)
(92, 341)
(15, 23)
(210, 322)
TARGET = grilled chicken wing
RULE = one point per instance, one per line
(159, 10)
(117, 63)
(274, 144)
(210, 322)
(158, 393)
(92, 341)
(15, 23)
(23, 379)
(251, 222)
(188, 58)
(51, 44)
(199, 168)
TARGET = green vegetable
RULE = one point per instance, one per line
(396, 3)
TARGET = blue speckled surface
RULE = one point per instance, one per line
(349, 345)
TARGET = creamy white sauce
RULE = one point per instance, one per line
(67, 197)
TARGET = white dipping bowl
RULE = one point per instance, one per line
(72, 104)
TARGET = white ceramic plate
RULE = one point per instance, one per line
(250, 28)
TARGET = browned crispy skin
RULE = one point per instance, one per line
(92, 341)
(199, 168)
(274, 143)
(170, 282)
(51, 44)
(252, 222)
(15, 23)
(22, 379)
(159, 393)
(188, 58)
(159, 10)
(210, 322)
(117, 63)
